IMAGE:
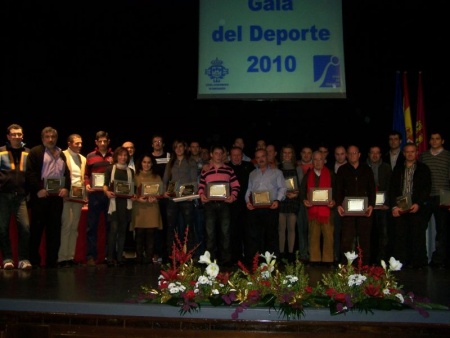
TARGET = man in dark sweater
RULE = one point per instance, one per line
(355, 179)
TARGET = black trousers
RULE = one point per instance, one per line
(45, 216)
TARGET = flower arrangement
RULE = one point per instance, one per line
(366, 287)
(353, 286)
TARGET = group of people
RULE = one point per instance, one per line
(313, 209)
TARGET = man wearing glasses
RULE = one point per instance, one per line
(13, 195)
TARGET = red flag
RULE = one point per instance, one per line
(421, 132)
(407, 111)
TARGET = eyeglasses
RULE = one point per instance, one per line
(16, 134)
(157, 142)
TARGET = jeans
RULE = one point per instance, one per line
(199, 228)
(119, 220)
(180, 217)
(97, 205)
(217, 223)
(12, 204)
(441, 217)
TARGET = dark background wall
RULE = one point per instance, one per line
(130, 68)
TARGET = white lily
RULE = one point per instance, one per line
(270, 259)
(383, 264)
(205, 258)
(212, 270)
(351, 256)
(394, 265)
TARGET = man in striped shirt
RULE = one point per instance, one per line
(96, 163)
(218, 187)
(438, 160)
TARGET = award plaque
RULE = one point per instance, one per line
(355, 206)
(186, 192)
(171, 187)
(291, 184)
(77, 194)
(261, 199)
(53, 184)
(187, 189)
(150, 189)
(97, 181)
(319, 196)
(404, 203)
(123, 189)
(217, 190)
(444, 198)
(380, 198)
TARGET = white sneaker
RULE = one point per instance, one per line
(8, 265)
(25, 265)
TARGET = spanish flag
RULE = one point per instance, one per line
(398, 123)
(421, 132)
(407, 111)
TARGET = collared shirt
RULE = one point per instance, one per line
(409, 175)
(271, 180)
(53, 165)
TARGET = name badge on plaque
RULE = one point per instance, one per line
(380, 198)
(355, 206)
(97, 181)
(54, 184)
(319, 196)
(123, 189)
(404, 203)
(291, 184)
(217, 190)
(261, 199)
(150, 189)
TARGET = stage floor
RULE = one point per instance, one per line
(107, 291)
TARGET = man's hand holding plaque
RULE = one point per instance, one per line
(404, 205)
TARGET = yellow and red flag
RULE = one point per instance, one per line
(398, 122)
(407, 111)
(421, 132)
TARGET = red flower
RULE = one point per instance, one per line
(253, 295)
(308, 289)
(223, 277)
(373, 290)
(190, 294)
(265, 283)
(337, 296)
(170, 274)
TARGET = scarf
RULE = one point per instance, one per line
(319, 212)
(112, 201)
